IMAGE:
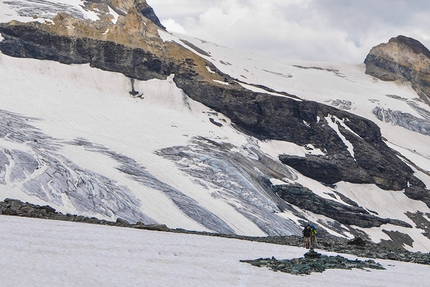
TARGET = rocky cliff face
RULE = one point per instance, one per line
(402, 58)
(353, 146)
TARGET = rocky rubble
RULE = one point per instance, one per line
(304, 265)
(18, 208)
(358, 247)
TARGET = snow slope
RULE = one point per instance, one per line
(75, 138)
(42, 10)
(42, 252)
(345, 86)
(135, 128)
(108, 115)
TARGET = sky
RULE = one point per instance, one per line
(311, 30)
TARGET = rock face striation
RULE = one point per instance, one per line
(402, 58)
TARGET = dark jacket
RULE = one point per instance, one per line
(306, 232)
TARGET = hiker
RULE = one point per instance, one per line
(313, 236)
(307, 234)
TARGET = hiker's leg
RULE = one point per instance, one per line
(313, 242)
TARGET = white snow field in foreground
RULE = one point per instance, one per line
(36, 252)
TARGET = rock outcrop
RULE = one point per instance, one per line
(349, 214)
(402, 58)
(16, 207)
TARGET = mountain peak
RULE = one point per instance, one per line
(411, 43)
(120, 22)
(404, 59)
(139, 5)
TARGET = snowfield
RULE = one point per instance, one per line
(78, 139)
(78, 102)
(38, 252)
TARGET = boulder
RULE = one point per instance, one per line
(358, 241)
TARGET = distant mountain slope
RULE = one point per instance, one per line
(170, 129)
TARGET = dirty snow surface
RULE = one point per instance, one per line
(39, 252)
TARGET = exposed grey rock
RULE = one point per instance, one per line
(335, 71)
(156, 227)
(398, 239)
(418, 193)
(373, 161)
(346, 214)
(195, 48)
(346, 199)
(122, 222)
(341, 104)
(420, 221)
(149, 13)
(312, 254)
(328, 169)
(358, 241)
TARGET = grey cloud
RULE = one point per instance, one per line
(324, 30)
(363, 17)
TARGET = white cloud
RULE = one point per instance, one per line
(172, 26)
(325, 30)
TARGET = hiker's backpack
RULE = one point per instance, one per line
(313, 230)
